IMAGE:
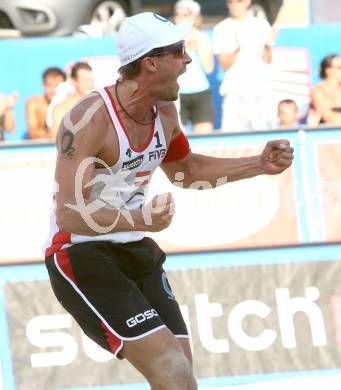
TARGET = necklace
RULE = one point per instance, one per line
(154, 114)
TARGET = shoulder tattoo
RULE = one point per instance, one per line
(66, 147)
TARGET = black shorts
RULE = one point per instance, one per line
(116, 292)
(196, 107)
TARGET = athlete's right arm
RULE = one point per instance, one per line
(81, 138)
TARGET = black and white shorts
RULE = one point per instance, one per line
(116, 292)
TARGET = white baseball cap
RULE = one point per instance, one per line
(146, 31)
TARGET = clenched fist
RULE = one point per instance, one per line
(276, 157)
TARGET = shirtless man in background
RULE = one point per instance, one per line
(36, 106)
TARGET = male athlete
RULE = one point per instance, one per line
(102, 268)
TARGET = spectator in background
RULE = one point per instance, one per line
(196, 103)
(36, 106)
(288, 113)
(243, 44)
(82, 80)
(7, 119)
(326, 96)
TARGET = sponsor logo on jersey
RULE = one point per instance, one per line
(129, 152)
(157, 154)
(132, 164)
(141, 317)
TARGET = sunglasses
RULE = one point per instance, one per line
(178, 51)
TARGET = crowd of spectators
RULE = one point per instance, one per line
(242, 45)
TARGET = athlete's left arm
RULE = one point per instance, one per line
(182, 164)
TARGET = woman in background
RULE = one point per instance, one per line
(326, 96)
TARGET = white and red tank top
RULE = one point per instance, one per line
(123, 185)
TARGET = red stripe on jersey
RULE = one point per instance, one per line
(151, 134)
(142, 183)
(178, 149)
(59, 239)
(113, 341)
(64, 263)
(144, 173)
